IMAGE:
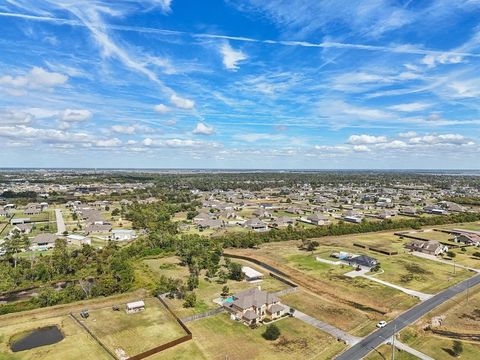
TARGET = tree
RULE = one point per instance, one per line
(190, 300)
(272, 332)
(192, 282)
(451, 254)
(116, 212)
(457, 347)
(225, 291)
(15, 244)
(235, 271)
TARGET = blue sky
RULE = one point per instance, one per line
(240, 83)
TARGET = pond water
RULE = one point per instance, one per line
(39, 337)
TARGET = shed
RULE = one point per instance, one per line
(251, 274)
(135, 306)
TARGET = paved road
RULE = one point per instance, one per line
(370, 342)
(60, 223)
(332, 330)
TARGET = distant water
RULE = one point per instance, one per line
(39, 337)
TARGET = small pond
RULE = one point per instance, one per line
(40, 337)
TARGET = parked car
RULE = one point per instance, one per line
(382, 324)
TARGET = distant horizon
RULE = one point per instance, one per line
(240, 84)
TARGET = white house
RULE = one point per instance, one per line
(123, 235)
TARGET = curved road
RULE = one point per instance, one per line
(372, 341)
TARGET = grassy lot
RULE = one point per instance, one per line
(207, 291)
(219, 338)
(466, 257)
(134, 333)
(76, 345)
(385, 352)
(186, 351)
(342, 316)
(437, 347)
(430, 234)
(407, 270)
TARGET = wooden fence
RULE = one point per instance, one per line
(203, 315)
(386, 252)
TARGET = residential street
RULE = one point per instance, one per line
(370, 342)
(60, 223)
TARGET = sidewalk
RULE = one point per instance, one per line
(401, 346)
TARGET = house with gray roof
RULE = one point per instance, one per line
(252, 306)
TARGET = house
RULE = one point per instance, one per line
(211, 224)
(256, 225)
(435, 210)
(43, 242)
(135, 306)
(123, 235)
(264, 214)
(78, 240)
(32, 210)
(430, 247)
(24, 228)
(363, 261)
(98, 228)
(468, 239)
(252, 306)
(16, 221)
(408, 211)
(3, 213)
(385, 214)
(283, 221)
(251, 274)
(294, 210)
(317, 219)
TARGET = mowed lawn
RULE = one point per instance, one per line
(357, 290)
(221, 338)
(137, 332)
(407, 270)
(342, 316)
(77, 344)
(438, 347)
(385, 352)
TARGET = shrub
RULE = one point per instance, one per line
(190, 300)
(272, 332)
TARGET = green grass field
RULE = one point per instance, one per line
(219, 338)
(134, 333)
(77, 344)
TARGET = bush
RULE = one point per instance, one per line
(457, 347)
(272, 332)
(190, 300)
(235, 271)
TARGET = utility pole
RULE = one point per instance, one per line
(393, 341)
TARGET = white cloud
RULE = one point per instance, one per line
(203, 129)
(161, 108)
(454, 139)
(231, 57)
(395, 144)
(432, 60)
(179, 143)
(253, 137)
(77, 115)
(108, 143)
(408, 134)
(15, 117)
(181, 102)
(123, 129)
(37, 78)
(366, 139)
(361, 148)
(410, 107)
